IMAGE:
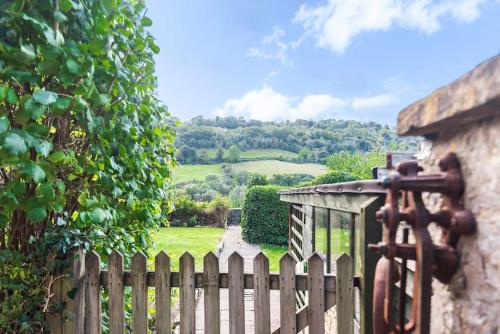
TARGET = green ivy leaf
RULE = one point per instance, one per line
(43, 148)
(66, 5)
(73, 66)
(146, 21)
(26, 54)
(62, 103)
(37, 214)
(46, 192)
(33, 110)
(14, 144)
(3, 92)
(44, 97)
(48, 67)
(98, 215)
(11, 96)
(57, 156)
(35, 172)
(4, 124)
(59, 16)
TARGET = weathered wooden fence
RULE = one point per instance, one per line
(83, 314)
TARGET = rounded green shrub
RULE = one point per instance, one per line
(264, 216)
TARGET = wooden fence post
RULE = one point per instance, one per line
(261, 294)
(162, 293)
(187, 294)
(287, 295)
(211, 293)
(345, 295)
(370, 233)
(139, 294)
(316, 289)
(92, 293)
(115, 288)
(236, 294)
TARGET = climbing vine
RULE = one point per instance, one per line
(86, 147)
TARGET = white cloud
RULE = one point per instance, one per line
(273, 47)
(268, 105)
(334, 24)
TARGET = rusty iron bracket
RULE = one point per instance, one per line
(404, 209)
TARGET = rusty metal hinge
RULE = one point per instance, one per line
(438, 260)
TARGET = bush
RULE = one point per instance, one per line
(264, 216)
(329, 178)
(86, 147)
(190, 213)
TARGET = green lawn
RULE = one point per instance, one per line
(195, 172)
(267, 167)
(274, 254)
(271, 167)
(196, 240)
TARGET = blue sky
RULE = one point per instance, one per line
(349, 59)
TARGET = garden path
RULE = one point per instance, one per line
(234, 243)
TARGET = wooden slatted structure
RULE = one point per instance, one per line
(116, 279)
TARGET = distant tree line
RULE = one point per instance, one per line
(313, 141)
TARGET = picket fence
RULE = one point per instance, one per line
(82, 312)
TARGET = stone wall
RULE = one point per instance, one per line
(464, 117)
(471, 303)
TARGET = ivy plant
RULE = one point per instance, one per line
(86, 147)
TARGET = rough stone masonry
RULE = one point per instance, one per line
(464, 117)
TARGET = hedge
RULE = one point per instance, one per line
(264, 216)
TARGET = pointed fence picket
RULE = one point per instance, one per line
(323, 290)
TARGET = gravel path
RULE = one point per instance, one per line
(233, 243)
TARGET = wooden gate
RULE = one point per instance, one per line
(83, 314)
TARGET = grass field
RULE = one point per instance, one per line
(274, 254)
(271, 167)
(267, 167)
(253, 154)
(177, 240)
(195, 172)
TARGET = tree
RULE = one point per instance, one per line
(219, 154)
(86, 148)
(356, 164)
(233, 154)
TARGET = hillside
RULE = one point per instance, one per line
(298, 141)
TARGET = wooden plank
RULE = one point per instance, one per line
(261, 294)
(297, 220)
(54, 284)
(236, 295)
(297, 234)
(370, 233)
(287, 295)
(298, 207)
(115, 288)
(187, 294)
(75, 305)
(301, 280)
(296, 246)
(162, 293)
(316, 289)
(139, 294)
(345, 294)
(92, 293)
(346, 202)
(212, 293)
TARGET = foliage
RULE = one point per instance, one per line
(256, 179)
(189, 213)
(86, 148)
(264, 216)
(329, 178)
(233, 154)
(356, 164)
(290, 180)
(312, 140)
